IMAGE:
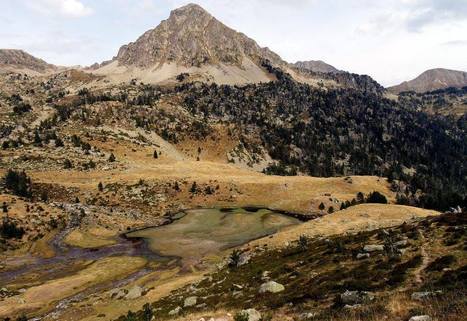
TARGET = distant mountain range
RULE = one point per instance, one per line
(433, 79)
(194, 44)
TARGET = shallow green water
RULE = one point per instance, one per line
(207, 231)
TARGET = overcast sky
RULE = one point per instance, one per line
(390, 40)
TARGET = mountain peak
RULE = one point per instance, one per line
(192, 41)
(433, 79)
(316, 66)
(191, 8)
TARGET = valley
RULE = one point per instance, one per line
(199, 176)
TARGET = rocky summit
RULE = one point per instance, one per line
(191, 37)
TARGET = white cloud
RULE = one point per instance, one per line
(67, 8)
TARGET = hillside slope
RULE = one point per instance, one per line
(13, 60)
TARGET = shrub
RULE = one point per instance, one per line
(194, 188)
(241, 316)
(440, 263)
(147, 312)
(376, 197)
(18, 182)
(10, 230)
(234, 258)
(67, 164)
(303, 242)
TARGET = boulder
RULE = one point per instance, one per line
(244, 259)
(421, 318)
(252, 314)
(272, 287)
(373, 248)
(356, 297)
(189, 302)
(134, 293)
(175, 311)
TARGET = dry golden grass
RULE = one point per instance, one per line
(41, 298)
(90, 238)
(354, 219)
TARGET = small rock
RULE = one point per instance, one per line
(421, 318)
(356, 297)
(352, 307)
(307, 315)
(191, 301)
(253, 315)
(401, 243)
(373, 248)
(420, 296)
(272, 287)
(175, 311)
(361, 256)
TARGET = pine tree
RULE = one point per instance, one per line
(321, 207)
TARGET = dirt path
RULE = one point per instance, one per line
(425, 260)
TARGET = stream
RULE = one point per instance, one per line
(191, 236)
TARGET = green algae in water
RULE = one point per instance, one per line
(207, 231)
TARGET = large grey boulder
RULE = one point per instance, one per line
(272, 287)
(356, 297)
(175, 311)
(189, 302)
(252, 314)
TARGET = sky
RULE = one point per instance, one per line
(390, 40)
